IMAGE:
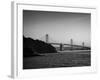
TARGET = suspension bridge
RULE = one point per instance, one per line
(64, 46)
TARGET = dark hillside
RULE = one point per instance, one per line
(35, 47)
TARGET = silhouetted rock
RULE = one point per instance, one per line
(33, 47)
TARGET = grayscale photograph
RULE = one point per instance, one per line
(53, 39)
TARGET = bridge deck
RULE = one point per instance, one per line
(67, 44)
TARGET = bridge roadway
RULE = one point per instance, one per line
(67, 44)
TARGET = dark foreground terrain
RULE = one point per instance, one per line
(60, 59)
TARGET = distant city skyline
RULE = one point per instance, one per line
(60, 26)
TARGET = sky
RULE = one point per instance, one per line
(60, 26)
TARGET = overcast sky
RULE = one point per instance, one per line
(60, 26)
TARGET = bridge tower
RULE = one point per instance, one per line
(71, 43)
(61, 47)
(47, 38)
(83, 45)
